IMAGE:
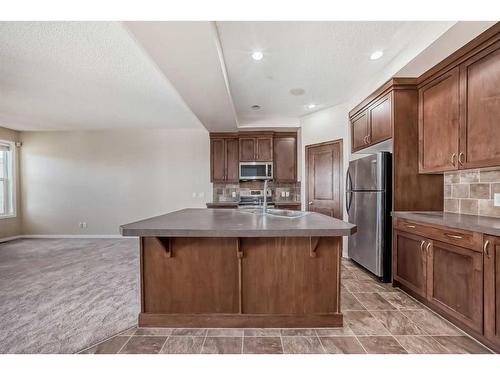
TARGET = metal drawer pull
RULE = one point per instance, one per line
(453, 236)
(485, 248)
(460, 158)
(410, 226)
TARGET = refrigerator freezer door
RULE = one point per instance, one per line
(366, 246)
(367, 173)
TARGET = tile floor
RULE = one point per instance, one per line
(378, 319)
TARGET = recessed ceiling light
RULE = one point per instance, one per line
(257, 55)
(376, 55)
(311, 106)
(297, 91)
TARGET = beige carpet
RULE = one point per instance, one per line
(63, 295)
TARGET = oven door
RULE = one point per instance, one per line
(254, 170)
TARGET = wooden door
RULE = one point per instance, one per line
(232, 160)
(285, 159)
(480, 109)
(217, 160)
(380, 119)
(492, 290)
(410, 261)
(247, 149)
(438, 123)
(455, 283)
(324, 178)
(264, 149)
(359, 131)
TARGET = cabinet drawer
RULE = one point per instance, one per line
(454, 236)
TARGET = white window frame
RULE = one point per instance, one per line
(12, 178)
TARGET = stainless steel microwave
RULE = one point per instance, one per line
(256, 170)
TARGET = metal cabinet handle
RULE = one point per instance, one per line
(453, 161)
(460, 161)
(427, 247)
(422, 245)
(485, 248)
(453, 236)
(310, 202)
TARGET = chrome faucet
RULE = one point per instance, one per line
(264, 203)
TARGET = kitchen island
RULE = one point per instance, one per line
(231, 268)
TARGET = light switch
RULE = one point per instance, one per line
(496, 200)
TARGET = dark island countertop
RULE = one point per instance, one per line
(206, 222)
(482, 224)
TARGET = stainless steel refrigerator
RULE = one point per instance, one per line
(368, 204)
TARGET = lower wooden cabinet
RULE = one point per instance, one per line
(451, 274)
(410, 262)
(455, 282)
(492, 290)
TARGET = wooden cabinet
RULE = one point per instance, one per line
(455, 282)
(359, 131)
(443, 266)
(380, 118)
(438, 123)
(492, 290)
(459, 108)
(373, 124)
(256, 148)
(224, 165)
(285, 157)
(410, 262)
(480, 109)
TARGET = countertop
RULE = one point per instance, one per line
(482, 224)
(207, 222)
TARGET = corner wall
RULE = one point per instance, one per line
(11, 227)
(109, 178)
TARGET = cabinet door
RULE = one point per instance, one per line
(285, 159)
(264, 149)
(359, 132)
(232, 160)
(480, 109)
(455, 283)
(247, 149)
(492, 290)
(409, 262)
(217, 159)
(438, 123)
(380, 115)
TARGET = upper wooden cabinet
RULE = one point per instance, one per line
(480, 109)
(491, 249)
(224, 165)
(228, 149)
(373, 124)
(438, 123)
(256, 148)
(459, 108)
(285, 157)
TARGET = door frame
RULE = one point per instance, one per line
(340, 141)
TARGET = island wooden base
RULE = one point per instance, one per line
(240, 320)
(240, 282)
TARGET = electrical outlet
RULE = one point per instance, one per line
(193, 195)
(283, 194)
(287, 194)
(201, 195)
(496, 200)
(82, 225)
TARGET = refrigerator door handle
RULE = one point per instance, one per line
(348, 201)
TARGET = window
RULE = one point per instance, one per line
(7, 206)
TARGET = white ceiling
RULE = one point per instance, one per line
(95, 75)
(82, 75)
(329, 60)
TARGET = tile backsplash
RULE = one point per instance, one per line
(231, 192)
(472, 192)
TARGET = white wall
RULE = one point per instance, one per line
(10, 227)
(109, 178)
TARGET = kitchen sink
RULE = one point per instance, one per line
(276, 212)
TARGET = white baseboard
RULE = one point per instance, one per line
(87, 236)
(5, 239)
